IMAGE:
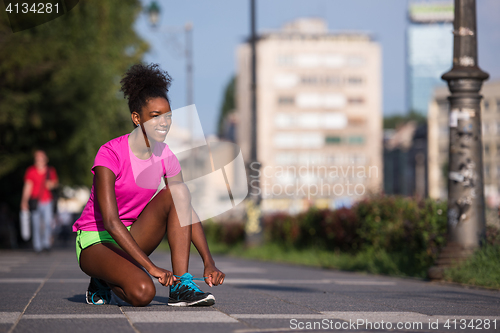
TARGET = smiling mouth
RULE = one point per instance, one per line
(164, 131)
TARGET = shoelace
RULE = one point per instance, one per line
(104, 295)
(102, 291)
(187, 280)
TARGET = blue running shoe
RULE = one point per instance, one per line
(187, 293)
(98, 292)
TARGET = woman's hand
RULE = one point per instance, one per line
(213, 275)
(165, 277)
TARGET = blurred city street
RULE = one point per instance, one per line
(359, 136)
(46, 293)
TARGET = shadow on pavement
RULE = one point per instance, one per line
(77, 298)
(275, 288)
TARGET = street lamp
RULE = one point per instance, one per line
(154, 14)
(253, 227)
(466, 220)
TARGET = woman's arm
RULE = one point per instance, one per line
(106, 198)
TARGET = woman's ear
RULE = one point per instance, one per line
(136, 118)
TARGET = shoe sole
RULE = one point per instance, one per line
(209, 300)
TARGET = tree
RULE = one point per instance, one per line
(59, 89)
(228, 105)
(392, 122)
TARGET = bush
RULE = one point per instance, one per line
(230, 233)
(413, 229)
(282, 229)
(481, 269)
(492, 235)
(382, 235)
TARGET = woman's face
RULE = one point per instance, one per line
(156, 118)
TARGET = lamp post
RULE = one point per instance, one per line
(154, 15)
(466, 220)
(253, 228)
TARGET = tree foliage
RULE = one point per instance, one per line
(228, 104)
(59, 89)
(392, 122)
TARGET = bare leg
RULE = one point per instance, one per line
(111, 264)
(160, 215)
(127, 279)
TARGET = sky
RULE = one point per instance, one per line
(219, 26)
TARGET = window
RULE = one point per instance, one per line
(301, 140)
(311, 80)
(333, 80)
(329, 101)
(286, 178)
(286, 158)
(311, 140)
(486, 149)
(487, 170)
(286, 100)
(486, 105)
(283, 120)
(286, 80)
(354, 80)
(498, 105)
(309, 120)
(355, 100)
(285, 140)
(309, 100)
(355, 61)
(357, 121)
(356, 140)
(334, 120)
(308, 60)
(285, 60)
(310, 158)
(334, 101)
(333, 140)
(334, 60)
(358, 159)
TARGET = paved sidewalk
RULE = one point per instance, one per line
(46, 293)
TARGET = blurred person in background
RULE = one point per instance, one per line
(39, 180)
(123, 221)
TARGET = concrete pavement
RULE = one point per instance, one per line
(46, 293)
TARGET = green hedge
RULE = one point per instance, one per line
(409, 232)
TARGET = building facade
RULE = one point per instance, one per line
(405, 160)
(430, 49)
(438, 124)
(319, 118)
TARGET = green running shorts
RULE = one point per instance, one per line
(85, 239)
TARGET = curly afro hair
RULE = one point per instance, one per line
(141, 83)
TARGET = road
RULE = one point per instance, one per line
(46, 293)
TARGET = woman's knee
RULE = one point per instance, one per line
(142, 293)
